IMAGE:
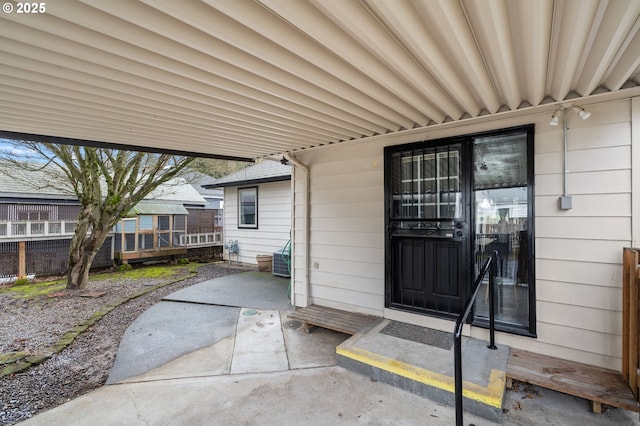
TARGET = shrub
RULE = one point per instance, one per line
(22, 281)
(183, 261)
(124, 267)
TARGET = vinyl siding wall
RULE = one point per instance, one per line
(577, 252)
(274, 221)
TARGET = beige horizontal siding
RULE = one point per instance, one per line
(600, 182)
(587, 205)
(580, 317)
(347, 216)
(579, 251)
(603, 274)
(598, 228)
(587, 295)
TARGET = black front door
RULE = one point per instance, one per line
(428, 210)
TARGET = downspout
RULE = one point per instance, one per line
(305, 232)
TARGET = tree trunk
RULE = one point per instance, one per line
(81, 255)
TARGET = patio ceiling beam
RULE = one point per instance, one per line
(91, 143)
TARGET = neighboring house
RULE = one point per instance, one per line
(37, 224)
(257, 209)
(158, 226)
(211, 214)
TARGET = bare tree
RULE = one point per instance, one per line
(107, 183)
(217, 168)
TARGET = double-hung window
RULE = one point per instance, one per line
(248, 207)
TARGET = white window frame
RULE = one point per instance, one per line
(241, 217)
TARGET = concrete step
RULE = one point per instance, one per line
(420, 360)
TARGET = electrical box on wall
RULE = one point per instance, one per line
(564, 202)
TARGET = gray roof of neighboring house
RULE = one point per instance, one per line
(198, 180)
(262, 172)
(47, 184)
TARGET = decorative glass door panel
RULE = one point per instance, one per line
(429, 229)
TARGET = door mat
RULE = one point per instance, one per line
(415, 333)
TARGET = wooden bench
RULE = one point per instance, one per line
(332, 319)
(595, 384)
(598, 385)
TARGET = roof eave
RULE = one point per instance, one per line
(248, 182)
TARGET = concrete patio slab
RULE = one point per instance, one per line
(259, 343)
(309, 350)
(197, 387)
(167, 331)
(257, 290)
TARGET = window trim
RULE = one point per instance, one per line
(244, 225)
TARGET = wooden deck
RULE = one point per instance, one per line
(333, 319)
(598, 385)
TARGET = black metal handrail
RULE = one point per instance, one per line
(490, 265)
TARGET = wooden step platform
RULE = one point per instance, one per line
(598, 385)
(333, 319)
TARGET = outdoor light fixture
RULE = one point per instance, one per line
(578, 110)
(565, 202)
(581, 112)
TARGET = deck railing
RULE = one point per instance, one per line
(489, 266)
(34, 230)
(631, 319)
(201, 239)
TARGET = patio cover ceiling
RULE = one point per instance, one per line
(254, 78)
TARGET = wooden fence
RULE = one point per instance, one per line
(44, 257)
(631, 319)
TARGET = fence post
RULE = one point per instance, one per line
(22, 259)
(630, 319)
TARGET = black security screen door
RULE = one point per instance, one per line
(449, 204)
(428, 228)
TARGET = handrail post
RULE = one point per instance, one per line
(489, 266)
(457, 359)
(492, 287)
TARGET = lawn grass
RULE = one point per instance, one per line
(36, 289)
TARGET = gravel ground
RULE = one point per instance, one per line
(33, 325)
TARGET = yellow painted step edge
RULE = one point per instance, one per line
(490, 395)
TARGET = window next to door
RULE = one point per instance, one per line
(503, 223)
(248, 207)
